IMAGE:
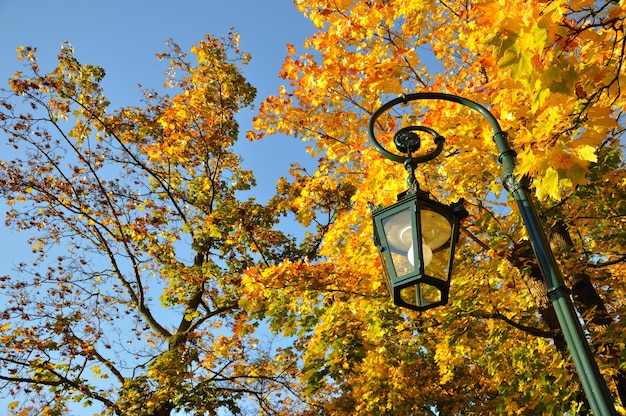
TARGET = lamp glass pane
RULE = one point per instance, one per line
(440, 263)
(398, 232)
(420, 295)
(436, 229)
(437, 233)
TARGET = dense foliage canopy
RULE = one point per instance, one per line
(553, 73)
(158, 280)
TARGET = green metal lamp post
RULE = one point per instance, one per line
(416, 238)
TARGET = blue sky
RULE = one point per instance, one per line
(123, 38)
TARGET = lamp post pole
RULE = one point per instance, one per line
(593, 383)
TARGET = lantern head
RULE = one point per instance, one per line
(416, 238)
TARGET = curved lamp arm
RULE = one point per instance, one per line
(506, 156)
(593, 383)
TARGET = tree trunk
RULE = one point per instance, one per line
(524, 259)
(586, 298)
(163, 410)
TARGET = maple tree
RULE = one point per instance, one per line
(141, 231)
(553, 73)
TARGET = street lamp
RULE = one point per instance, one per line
(412, 282)
(416, 236)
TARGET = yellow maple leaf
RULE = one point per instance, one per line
(586, 152)
(548, 185)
